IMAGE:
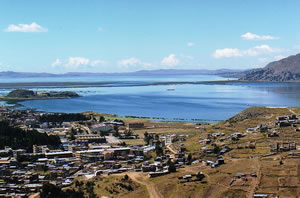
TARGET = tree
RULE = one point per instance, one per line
(200, 176)
(101, 119)
(17, 138)
(189, 158)
(126, 177)
(72, 134)
(116, 128)
(52, 191)
(102, 133)
(172, 167)
(158, 148)
(148, 138)
(216, 149)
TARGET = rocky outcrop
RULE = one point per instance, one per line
(284, 70)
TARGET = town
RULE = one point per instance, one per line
(85, 145)
(40, 149)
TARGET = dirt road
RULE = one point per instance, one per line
(143, 179)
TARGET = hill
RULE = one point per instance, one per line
(284, 70)
(21, 93)
(25, 94)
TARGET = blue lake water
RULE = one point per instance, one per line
(207, 102)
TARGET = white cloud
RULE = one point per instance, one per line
(133, 62)
(98, 62)
(129, 61)
(251, 36)
(33, 27)
(254, 51)
(170, 60)
(77, 63)
(5, 67)
(56, 63)
(191, 44)
(227, 52)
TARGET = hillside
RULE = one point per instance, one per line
(284, 70)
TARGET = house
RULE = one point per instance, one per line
(89, 138)
(262, 128)
(256, 195)
(205, 141)
(136, 125)
(283, 146)
(251, 130)
(61, 154)
(240, 175)
(187, 177)
(220, 161)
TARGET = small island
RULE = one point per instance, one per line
(25, 94)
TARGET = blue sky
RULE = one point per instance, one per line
(121, 36)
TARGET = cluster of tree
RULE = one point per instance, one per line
(216, 149)
(148, 138)
(52, 191)
(72, 134)
(17, 138)
(189, 159)
(172, 167)
(158, 148)
(64, 117)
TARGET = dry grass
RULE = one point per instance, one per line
(273, 177)
(114, 186)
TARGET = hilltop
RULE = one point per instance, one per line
(284, 70)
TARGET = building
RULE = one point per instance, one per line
(61, 154)
(136, 125)
(89, 139)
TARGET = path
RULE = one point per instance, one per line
(255, 186)
(291, 110)
(142, 179)
(171, 149)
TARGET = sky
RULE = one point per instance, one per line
(59, 36)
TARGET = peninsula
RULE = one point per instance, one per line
(25, 94)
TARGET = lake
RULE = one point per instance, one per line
(186, 102)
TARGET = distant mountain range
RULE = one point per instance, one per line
(284, 70)
(222, 72)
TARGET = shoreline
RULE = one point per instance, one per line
(117, 84)
(17, 105)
